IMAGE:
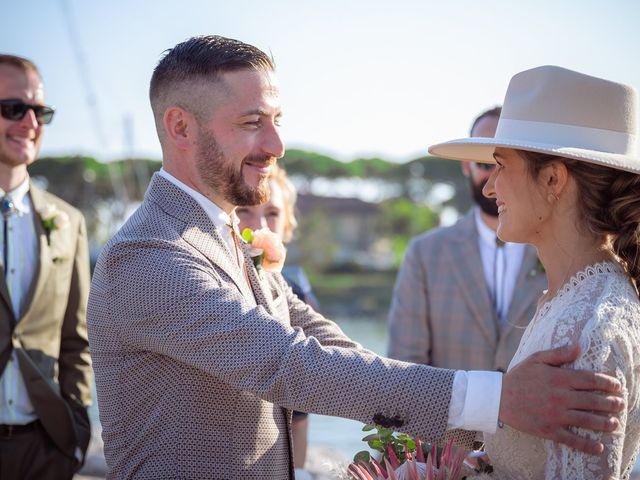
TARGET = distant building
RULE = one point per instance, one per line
(351, 226)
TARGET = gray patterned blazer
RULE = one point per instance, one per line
(196, 372)
(441, 313)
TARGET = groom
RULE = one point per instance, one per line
(199, 360)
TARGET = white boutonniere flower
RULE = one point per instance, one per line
(53, 219)
(267, 251)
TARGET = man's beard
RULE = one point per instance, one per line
(487, 205)
(224, 178)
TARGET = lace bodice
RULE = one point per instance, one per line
(600, 309)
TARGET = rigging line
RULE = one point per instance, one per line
(116, 180)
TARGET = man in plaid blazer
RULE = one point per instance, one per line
(461, 299)
(199, 359)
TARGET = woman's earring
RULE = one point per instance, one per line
(552, 197)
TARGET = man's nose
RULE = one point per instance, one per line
(29, 120)
(273, 145)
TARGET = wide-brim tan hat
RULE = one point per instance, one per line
(560, 112)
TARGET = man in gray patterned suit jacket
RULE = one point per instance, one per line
(198, 359)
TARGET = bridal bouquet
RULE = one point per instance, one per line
(404, 458)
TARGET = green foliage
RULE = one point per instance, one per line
(383, 439)
(315, 251)
(400, 220)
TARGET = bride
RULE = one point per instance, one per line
(568, 182)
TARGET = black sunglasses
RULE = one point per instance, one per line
(15, 110)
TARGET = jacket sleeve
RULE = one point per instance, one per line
(75, 374)
(313, 324)
(163, 298)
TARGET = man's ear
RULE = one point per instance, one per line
(466, 169)
(179, 126)
(554, 177)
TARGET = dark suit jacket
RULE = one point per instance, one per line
(50, 338)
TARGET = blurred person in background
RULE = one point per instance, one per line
(463, 297)
(45, 387)
(278, 215)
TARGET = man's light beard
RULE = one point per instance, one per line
(222, 176)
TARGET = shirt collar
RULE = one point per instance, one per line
(487, 235)
(19, 196)
(218, 216)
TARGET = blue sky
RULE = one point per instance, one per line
(358, 78)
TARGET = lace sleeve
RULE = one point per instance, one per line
(604, 327)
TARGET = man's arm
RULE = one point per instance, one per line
(541, 399)
(408, 326)
(74, 361)
(198, 318)
(313, 324)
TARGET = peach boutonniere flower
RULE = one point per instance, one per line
(267, 251)
(53, 219)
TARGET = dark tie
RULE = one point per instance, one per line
(6, 209)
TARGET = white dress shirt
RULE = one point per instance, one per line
(501, 265)
(475, 399)
(15, 405)
(219, 217)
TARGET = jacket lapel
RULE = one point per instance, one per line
(260, 289)
(200, 232)
(5, 303)
(466, 268)
(43, 265)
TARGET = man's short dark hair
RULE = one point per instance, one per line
(205, 57)
(21, 63)
(492, 112)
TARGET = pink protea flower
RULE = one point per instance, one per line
(414, 466)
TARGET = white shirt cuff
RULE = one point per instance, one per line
(475, 401)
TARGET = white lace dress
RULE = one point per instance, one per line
(599, 308)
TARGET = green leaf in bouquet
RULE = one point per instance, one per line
(362, 456)
(410, 444)
(368, 427)
(376, 445)
(371, 436)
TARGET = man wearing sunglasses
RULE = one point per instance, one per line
(45, 382)
(463, 298)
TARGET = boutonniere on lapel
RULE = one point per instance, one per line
(53, 219)
(267, 251)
